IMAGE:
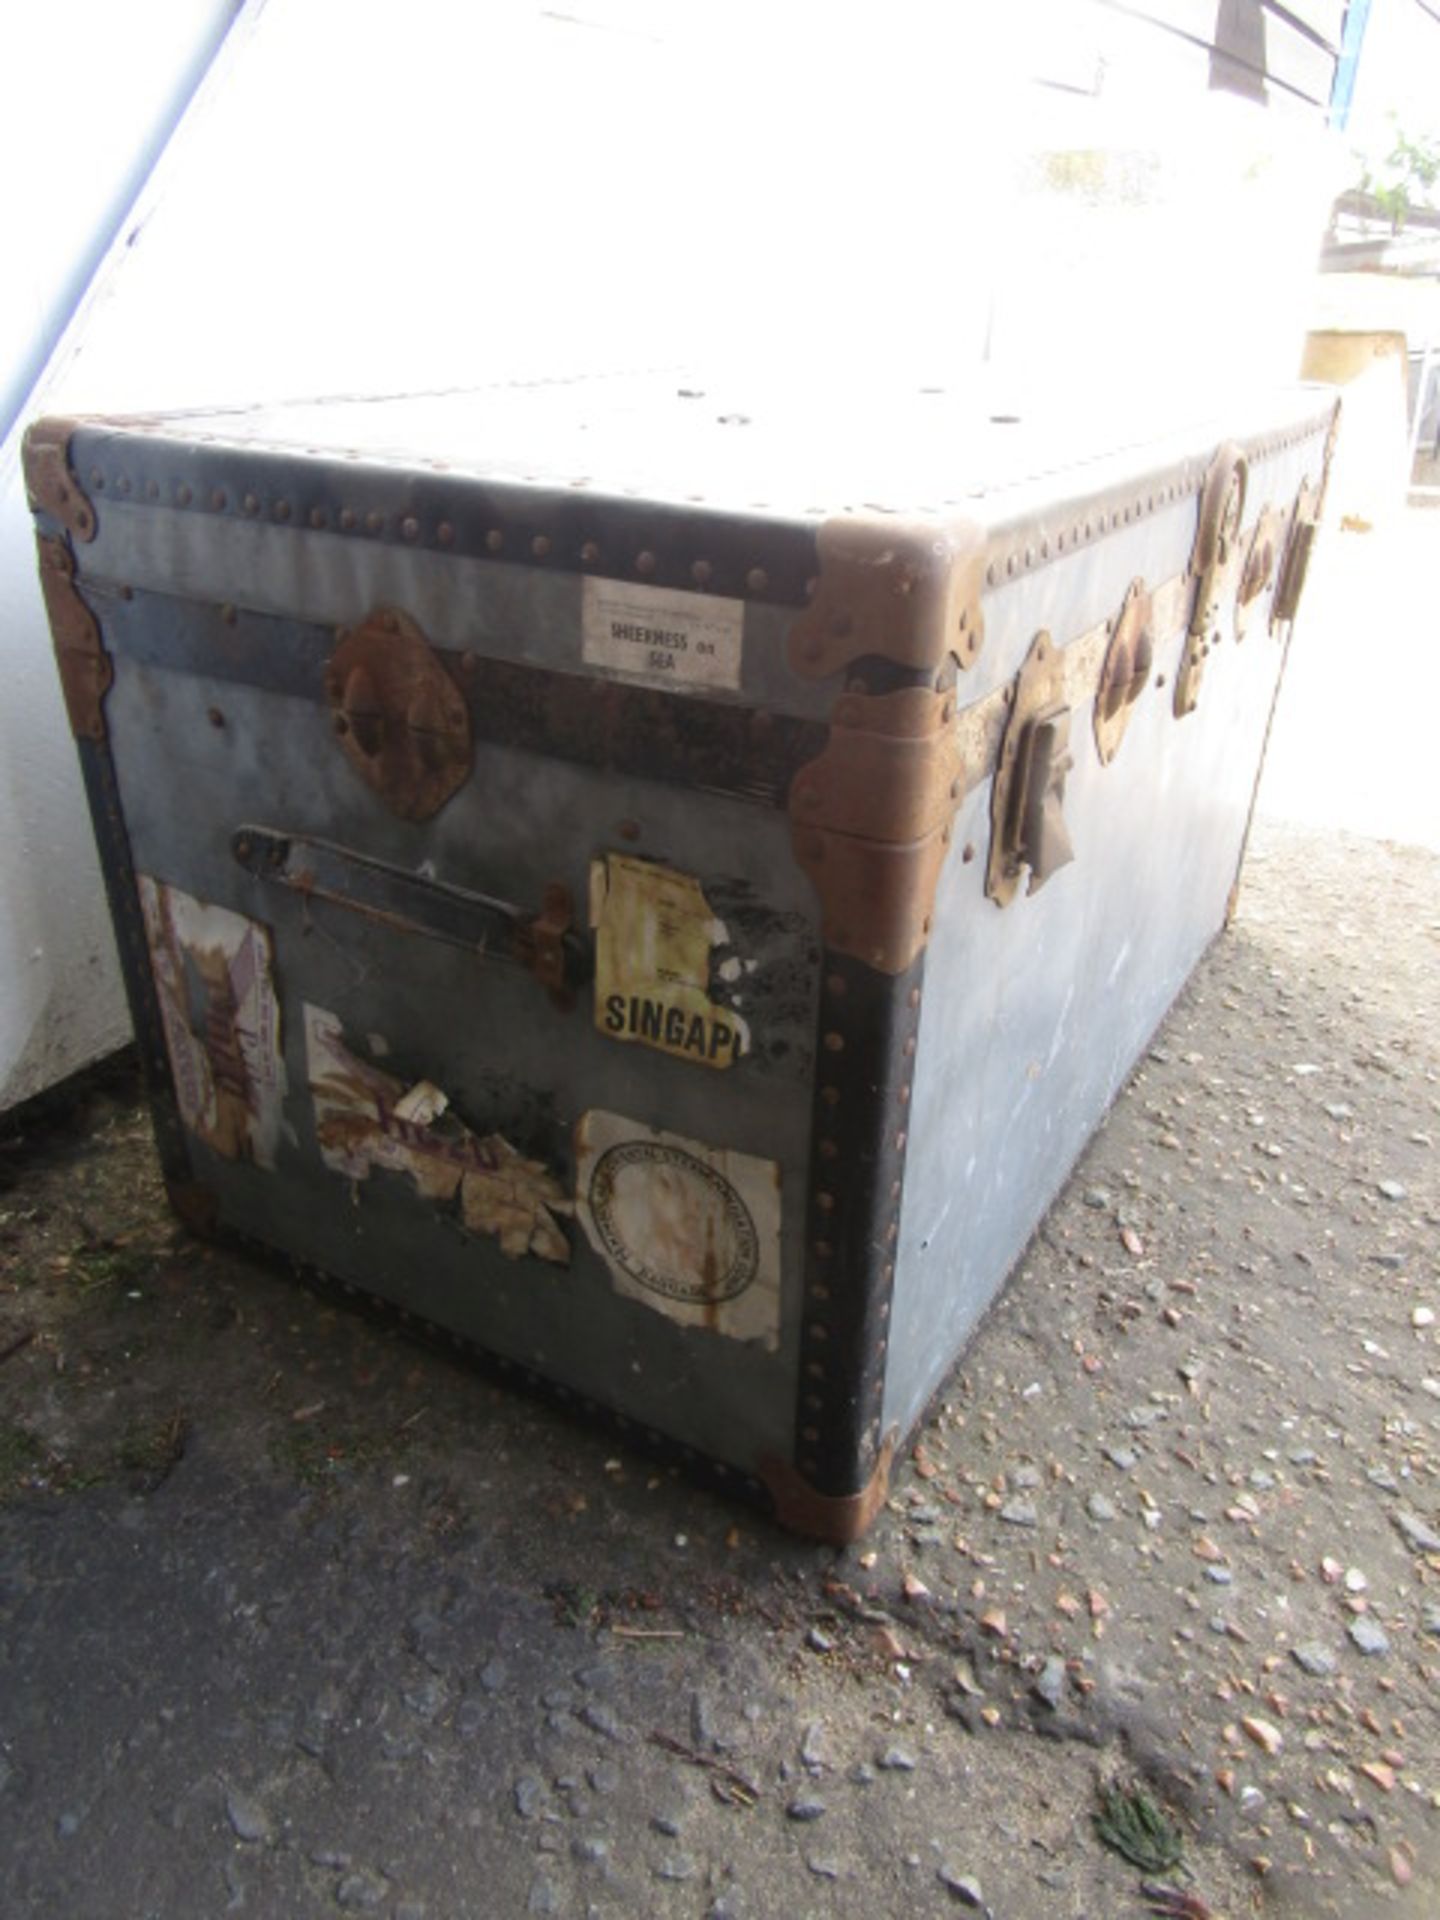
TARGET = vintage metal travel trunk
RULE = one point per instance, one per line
(660, 886)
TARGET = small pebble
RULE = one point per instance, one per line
(896, 1760)
(805, 1809)
(1314, 1659)
(1020, 1513)
(1368, 1637)
(1121, 1457)
(1099, 1508)
(964, 1886)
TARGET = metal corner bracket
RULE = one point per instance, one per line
(871, 820)
(49, 479)
(837, 1519)
(86, 672)
(893, 589)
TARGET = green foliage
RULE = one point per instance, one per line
(1405, 179)
(1132, 1824)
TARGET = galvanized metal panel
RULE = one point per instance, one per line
(1033, 1016)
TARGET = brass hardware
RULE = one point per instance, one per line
(49, 481)
(401, 720)
(1214, 566)
(1295, 561)
(835, 1518)
(1027, 824)
(870, 817)
(197, 1206)
(896, 589)
(86, 672)
(541, 946)
(1261, 554)
(1125, 672)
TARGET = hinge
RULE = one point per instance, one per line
(1214, 566)
(1027, 797)
(1295, 561)
(86, 673)
(871, 819)
(892, 589)
(1261, 555)
(49, 481)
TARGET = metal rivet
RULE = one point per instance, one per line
(829, 1150)
(822, 1249)
(900, 1141)
(215, 716)
(967, 852)
(319, 518)
(410, 527)
(219, 500)
(887, 1272)
(184, 495)
(645, 562)
(835, 984)
(812, 1434)
(122, 484)
(904, 1094)
(494, 540)
(825, 1202)
(589, 553)
(831, 1096)
(700, 572)
(818, 1331)
(912, 999)
(374, 522)
(347, 519)
(835, 1042)
(540, 545)
(814, 1402)
(1010, 563)
(281, 509)
(757, 580)
(817, 1292)
(152, 490)
(909, 1047)
(445, 534)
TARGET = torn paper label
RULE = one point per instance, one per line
(690, 1230)
(654, 940)
(218, 1005)
(365, 1118)
(666, 637)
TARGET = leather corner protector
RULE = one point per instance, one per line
(50, 481)
(196, 1206)
(86, 672)
(896, 589)
(871, 820)
(836, 1519)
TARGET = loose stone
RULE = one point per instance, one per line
(896, 1760)
(1368, 1637)
(1314, 1659)
(1099, 1508)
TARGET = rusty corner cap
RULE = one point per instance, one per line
(49, 479)
(196, 1205)
(86, 673)
(904, 590)
(835, 1518)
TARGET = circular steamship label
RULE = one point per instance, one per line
(676, 1226)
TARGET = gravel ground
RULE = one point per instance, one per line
(303, 1616)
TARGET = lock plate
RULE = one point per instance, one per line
(1027, 823)
(401, 720)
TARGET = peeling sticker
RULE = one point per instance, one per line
(690, 1230)
(664, 637)
(365, 1118)
(654, 937)
(221, 1017)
